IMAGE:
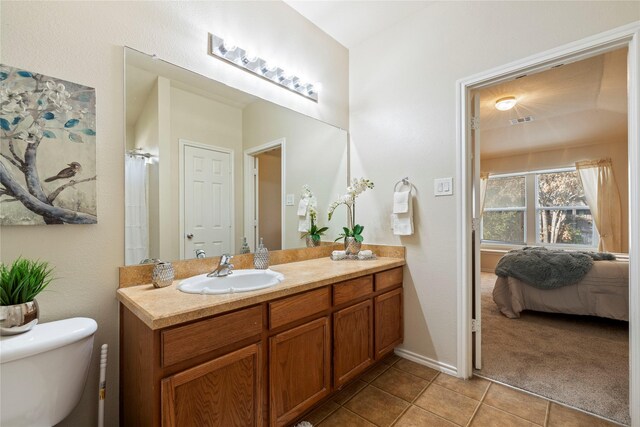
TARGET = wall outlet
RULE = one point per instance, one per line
(290, 199)
(443, 186)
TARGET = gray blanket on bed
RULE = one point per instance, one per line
(548, 269)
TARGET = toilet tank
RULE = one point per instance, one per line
(43, 372)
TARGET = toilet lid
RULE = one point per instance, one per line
(44, 337)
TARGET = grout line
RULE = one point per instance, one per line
(486, 392)
(546, 415)
(401, 414)
(423, 390)
(480, 403)
(512, 414)
(330, 413)
(362, 418)
(392, 395)
(354, 394)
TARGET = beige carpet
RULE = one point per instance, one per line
(581, 361)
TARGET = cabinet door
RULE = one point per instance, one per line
(223, 392)
(389, 325)
(299, 370)
(352, 341)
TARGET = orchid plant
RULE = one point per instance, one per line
(357, 187)
(314, 232)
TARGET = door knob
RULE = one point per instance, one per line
(190, 236)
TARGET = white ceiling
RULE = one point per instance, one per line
(350, 22)
(580, 103)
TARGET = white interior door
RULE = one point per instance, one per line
(477, 288)
(207, 201)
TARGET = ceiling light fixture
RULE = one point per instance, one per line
(229, 52)
(506, 103)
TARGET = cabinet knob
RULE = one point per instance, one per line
(190, 236)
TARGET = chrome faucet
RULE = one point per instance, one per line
(200, 253)
(224, 267)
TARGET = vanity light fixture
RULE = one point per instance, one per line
(241, 58)
(506, 103)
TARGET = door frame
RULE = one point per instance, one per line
(625, 36)
(250, 194)
(182, 143)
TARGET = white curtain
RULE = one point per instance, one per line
(603, 198)
(484, 180)
(136, 214)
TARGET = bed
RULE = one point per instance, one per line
(603, 292)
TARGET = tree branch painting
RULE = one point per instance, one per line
(47, 156)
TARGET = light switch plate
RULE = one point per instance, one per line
(443, 186)
(290, 199)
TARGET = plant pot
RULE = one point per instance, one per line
(352, 246)
(311, 243)
(18, 318)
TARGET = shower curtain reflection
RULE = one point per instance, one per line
(136, 211)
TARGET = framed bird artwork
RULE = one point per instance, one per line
(48, 150)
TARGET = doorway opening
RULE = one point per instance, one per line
(471, 223)
(567, 343)
(264, 194)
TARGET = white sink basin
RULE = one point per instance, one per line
(238, 281)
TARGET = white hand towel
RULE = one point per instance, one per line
(402, 223)
(401, 201)
(303, 206)
(338, 255)
(304, 224)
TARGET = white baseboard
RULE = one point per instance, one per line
(430, 363)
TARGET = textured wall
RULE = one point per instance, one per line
(82, 42)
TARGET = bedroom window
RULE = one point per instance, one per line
(505, 212)
(562, 213)
(538, 208)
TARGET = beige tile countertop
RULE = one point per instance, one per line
(160, 308)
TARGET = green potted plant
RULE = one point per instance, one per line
(20, 283)
(352, 232)
(355, 233)
(314, 234)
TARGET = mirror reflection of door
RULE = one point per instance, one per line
(268, 178)
(207, 201)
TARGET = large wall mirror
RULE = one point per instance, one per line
(207, 165)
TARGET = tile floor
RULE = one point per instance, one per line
(401, 393)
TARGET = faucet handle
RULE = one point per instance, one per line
(225, 258)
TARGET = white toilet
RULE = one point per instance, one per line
(43, 372)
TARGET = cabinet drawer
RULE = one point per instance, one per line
(298, 307)
(389, 279)
(185, 342)
(352, 289)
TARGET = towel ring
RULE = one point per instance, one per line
(403, 181)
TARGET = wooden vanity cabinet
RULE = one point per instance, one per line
(264, 365)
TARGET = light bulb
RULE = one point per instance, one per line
(506, 103)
